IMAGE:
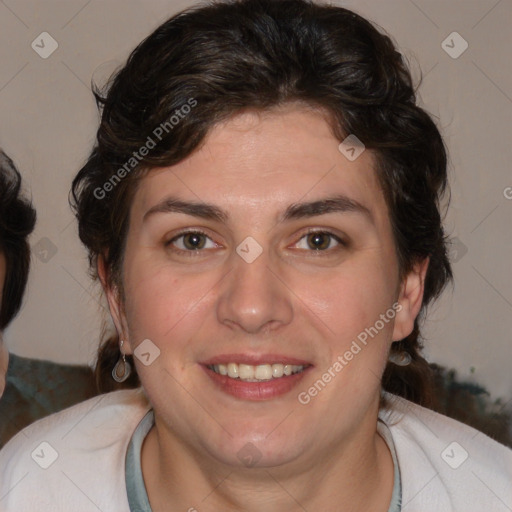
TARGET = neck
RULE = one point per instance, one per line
(356, 471)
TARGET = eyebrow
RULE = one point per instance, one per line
(334, 204)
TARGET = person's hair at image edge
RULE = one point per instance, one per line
(17, 221)
(257, 55)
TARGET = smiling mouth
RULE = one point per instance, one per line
(256, 373)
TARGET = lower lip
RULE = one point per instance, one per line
(256, 391)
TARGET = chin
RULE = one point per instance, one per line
(256, 451)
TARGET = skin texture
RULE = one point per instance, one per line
(292, 300)
(4, 354)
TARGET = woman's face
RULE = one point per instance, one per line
(256, 288)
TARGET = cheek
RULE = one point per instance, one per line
(163, 307)
(353, 297)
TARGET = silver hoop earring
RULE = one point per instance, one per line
(400, 358)
(122, 368)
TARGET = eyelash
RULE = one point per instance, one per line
(196, 252)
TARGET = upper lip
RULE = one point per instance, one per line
(255, 359)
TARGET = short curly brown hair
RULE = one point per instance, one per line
(258, 54)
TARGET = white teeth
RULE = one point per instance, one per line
(262, 372)
(233, 370)
(245, 371)
(277, 370)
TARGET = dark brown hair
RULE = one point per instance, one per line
(259, 54)
(17, 221)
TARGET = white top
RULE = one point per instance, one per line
(75, 460)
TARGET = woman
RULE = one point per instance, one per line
(17, 220)
(262, 209)
(29, 388)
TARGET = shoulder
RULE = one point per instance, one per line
(36, 388)
(446, 465)
(29, 373)
(74, 455)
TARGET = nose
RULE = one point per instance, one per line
(254, 297)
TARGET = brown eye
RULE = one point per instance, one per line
(320, 241)
(193, 241)
(190, 241)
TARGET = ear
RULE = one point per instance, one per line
(410, 299)
(114, 303)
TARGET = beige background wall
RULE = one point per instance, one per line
(48, 121)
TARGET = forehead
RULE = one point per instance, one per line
(259, 162)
